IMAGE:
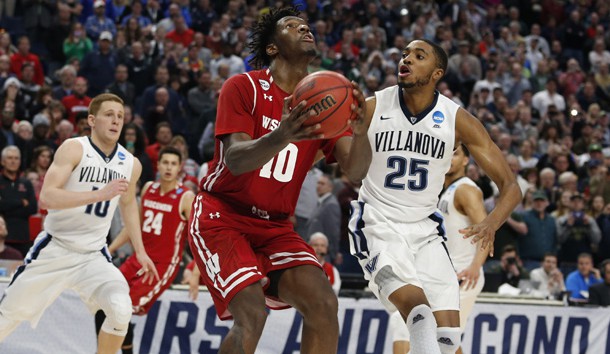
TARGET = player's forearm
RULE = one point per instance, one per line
(480, 257)
(510, 197)
(246, 156)
(359, 159)
(119, 241)
(57, 198)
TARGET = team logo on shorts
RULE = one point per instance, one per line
(372, 264)
(122, 155)
(264, 84)
(438, 117)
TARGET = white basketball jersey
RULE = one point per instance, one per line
(411, 154)
(85, 228)
(461, 250)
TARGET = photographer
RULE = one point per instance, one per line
(510, 267)
(577, 232)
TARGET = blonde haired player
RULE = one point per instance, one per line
(461, 203)
(88, 179)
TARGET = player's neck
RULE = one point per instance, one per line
(107, 147)
(417, 99)
(449, 179)
(168, 186)
(287, 75)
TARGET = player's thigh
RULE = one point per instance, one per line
(317, 295)
(438, 277)
(38, 283)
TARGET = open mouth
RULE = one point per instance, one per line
(308, 38)
(404, 70)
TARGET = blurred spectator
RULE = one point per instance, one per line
(7, 119)
(153, 11)
(98, 23)
(201, 97)
(98, 66)
(63, 131)
(5, 69)
(574, 37)
(603, 221)
(7, 252)
(515, 84)
(38, 17)
(306, 204)
(25, 130)
(29, 90)
(163, 136)
(77, 44)
(161, 112)
(189, 166)
(133, 139)
(543, 99)
(78, 101)
(121, 86)
(325, 216)
(137, 15)
(147, 99)
(599, 294)
(17, 200)
(599, 55)
(548, 277)
(235, 64)
(319, 242)
(579, 281)
(67, 76)
(541, 236)
(140, 67)
(577, 232)
(510, 267)
(181, 33)
(24, 56)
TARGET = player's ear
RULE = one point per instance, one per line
(438, 74)
(91, 120)
(271, 49)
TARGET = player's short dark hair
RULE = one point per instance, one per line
(97, 101)
(263, 34)
(439, 54)
(465, 149)
(170, 150)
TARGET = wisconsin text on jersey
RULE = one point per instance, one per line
(158, 206)
(422, 143)
(98, 175)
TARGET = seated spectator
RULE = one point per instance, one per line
(25, 56)
(7, 252)
(78, 101)
(98, 22)
(510, 267)
(67, 76)
(579, 281)
(98, 66)
(121, 85)
(548, 279)
(541, 236)
(163, 136)
(133, 139)
(319, 242)
(599, 294)
(77, 45)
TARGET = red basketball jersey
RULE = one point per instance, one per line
(163, 228)
(252, 103)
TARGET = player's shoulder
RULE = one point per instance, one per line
(72, 147)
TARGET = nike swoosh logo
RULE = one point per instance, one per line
(89, 156)
(384, 118)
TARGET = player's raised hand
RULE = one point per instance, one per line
(292, 128)
(115, 187)
(359, 122)
(481, 232)
(148, 270)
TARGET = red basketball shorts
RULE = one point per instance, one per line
(234, 250)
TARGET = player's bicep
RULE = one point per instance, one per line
(66, 158)
(470, 200)
(485, 152)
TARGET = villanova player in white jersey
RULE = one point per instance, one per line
(88, 178)
(396, 232)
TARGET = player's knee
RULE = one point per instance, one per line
(120, 308)
(116, 303)
(322, 306)
(420, 318)
(449, 339)
(253, 322)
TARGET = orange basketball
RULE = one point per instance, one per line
(330, 95)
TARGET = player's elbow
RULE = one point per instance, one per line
(44, 201)
(235, 167)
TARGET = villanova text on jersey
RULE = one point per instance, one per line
(410, 141)
(96, 174)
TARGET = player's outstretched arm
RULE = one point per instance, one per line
(244, 154)
(471, 133)
(54, 196)
(131, 217)
(354, 153)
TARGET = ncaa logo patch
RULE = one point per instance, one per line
(264, 84)
(438, 117)
(121, 155)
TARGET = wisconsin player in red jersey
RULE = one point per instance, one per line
(241, 237)
(165, 207)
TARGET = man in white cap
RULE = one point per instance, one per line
(98, 22)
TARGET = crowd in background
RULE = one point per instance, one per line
(536, 73)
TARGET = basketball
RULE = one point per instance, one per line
(330, 95)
